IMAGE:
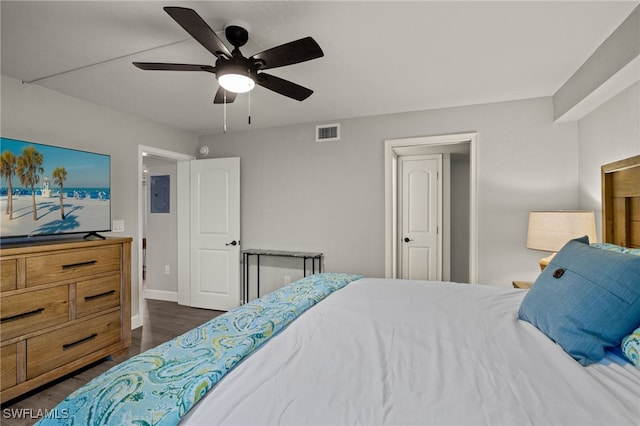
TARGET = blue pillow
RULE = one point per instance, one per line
(586, 299)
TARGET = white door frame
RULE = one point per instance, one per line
(396, 147)
(182, 190)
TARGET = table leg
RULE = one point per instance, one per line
(258, 273)
(245, 277)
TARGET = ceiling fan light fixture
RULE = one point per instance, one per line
(235, 78)
(236, 83)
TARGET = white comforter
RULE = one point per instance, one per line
(412, 352)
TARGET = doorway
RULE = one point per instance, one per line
(463, 208)
(182, 230)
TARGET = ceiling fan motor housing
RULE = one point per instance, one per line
(236, 35)
(240, 66)
(237, 64)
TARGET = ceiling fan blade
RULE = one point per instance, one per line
(284, 87)
(290, 53)
(195, 25)
(160, 66)
(219, 99)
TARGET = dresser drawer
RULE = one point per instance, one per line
(38, 309)
(72, 264)
(8, 364)
(8, 275)
(97, 295)
(51, 350)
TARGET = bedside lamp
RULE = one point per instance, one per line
(550, 230)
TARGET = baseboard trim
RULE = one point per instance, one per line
(167, 296)
(136, 322)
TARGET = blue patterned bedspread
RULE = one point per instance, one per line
(159, 386)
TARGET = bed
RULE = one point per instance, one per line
(334, 349)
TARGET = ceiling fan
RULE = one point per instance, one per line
(236, 73)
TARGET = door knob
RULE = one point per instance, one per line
(232, 243)
(407, 239)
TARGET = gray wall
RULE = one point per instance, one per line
(615, 60)
(609, 133)
(33, 113)
(460, 167)
(162, 234)
(330, 197)
(301, 195)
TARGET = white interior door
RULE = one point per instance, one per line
(215, 233)
(420, 217)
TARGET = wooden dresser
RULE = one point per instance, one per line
(63, 305)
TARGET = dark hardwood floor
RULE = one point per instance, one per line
(163, 321)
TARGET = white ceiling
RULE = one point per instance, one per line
(380, 57)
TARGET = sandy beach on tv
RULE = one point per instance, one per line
(81, 215)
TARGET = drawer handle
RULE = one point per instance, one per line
(96, 296)
(79, 264)
(22, 315)
(77, 342)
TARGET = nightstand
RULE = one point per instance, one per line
(522, 284)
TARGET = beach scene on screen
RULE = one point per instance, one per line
(70, 190)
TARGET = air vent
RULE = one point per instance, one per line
(328, 133)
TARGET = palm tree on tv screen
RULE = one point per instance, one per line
(59, 176)
(7, 170)
(29, 169)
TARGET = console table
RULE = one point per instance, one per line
(246, 254)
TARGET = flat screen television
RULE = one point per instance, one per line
(50, 190)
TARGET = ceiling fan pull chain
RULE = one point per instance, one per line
(249, 117)
(224, 126)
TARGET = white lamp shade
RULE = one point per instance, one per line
(550, 230)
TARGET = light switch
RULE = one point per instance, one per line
(118, 226)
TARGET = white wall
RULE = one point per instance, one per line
(33, 113)
(301, 195)
(609, 133)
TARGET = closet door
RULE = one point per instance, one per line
(420, 217)
(215, 233)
